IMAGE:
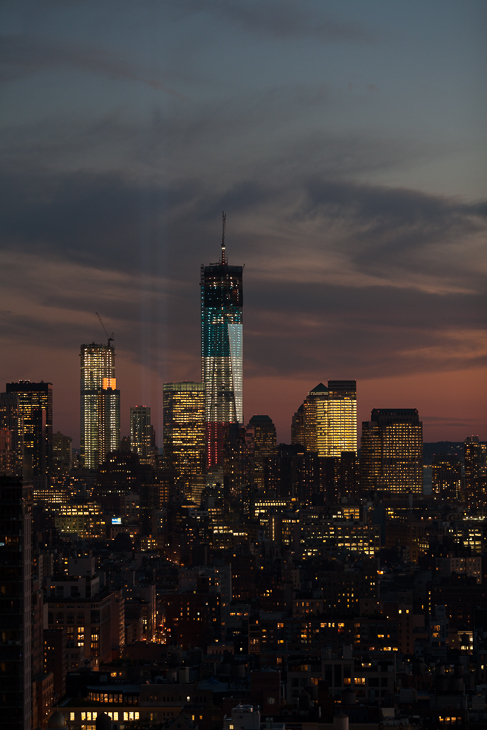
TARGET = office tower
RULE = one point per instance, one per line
(221, 351)
(326, 423)
(342, 417)
(297, 427)
(141, 433)
(15, 603)
(100, 404)
(446, 477)
(62, 453)
(370, 457)
(315, 421)
(184, 438)
(348, 475)
(261, 443)
(475, 472)
(109, 414)
(392, 451)
(11, 435)
(35, 403)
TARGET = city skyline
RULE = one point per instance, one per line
(351, 170)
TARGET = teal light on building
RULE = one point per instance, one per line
(221, 351)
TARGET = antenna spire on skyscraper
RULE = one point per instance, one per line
(224, 219)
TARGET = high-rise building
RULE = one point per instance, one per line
(11, 435)
(475, 460)
(100, 404)
(184, 438)
(342, 416)
(326, 423)
(35, 403)
(141, 433)
(62, 453)
(391, 456)
(261, 441)
(221, 351)
(446, 476)
(370, 456)
(315, 421)
(297, 427)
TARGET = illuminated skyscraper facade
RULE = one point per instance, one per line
(184, 438)
(100, 404)
(141, 433)
(342, 417)
(391, 456)
(316, 426)
(221, 352)
(35, 405)
(326, 423)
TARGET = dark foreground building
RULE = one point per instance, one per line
(15, 604)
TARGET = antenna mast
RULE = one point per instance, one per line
(224, 220)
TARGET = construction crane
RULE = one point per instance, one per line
(111, 337)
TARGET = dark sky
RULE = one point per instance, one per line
(346, 142)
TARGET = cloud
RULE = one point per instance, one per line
(281, 19)
(392, 228)
(356, 234)
(25, 55)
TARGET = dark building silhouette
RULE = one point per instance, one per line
(475, 454)
(62, 453)
(302, 476)
(15, 603)
(141, 433)
(11, 435)
(297, 427)
(261, 442)
(446, 477)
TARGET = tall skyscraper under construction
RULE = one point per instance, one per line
(391, 455)
(100, 404)
(221, 351)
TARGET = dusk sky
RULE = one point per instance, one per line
(346, 142)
